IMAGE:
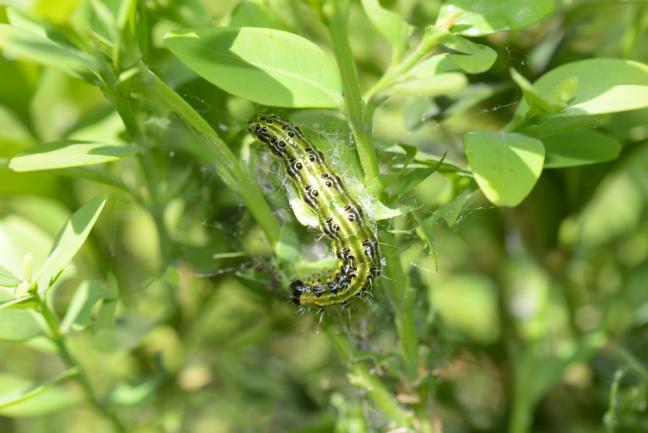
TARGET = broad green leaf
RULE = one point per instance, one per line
(69, 153)
(79, 313)
(7, 279)
(20, 397)
(390, 24)
(37, 48)
(467, 303)
(506, 165)
(482, 17)
(473, 58)
(255, 14)
(70, 240)
(267, 66)
(580, 147)
(601, 86)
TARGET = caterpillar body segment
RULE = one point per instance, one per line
(340, 216)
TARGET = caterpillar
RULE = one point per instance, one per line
(341, 218)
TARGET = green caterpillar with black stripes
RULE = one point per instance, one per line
(341, 218)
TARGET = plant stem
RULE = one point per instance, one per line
(431, 37)
(71, 363)
(361, 123)
(401, 298)
(216, 152)
(119, 94)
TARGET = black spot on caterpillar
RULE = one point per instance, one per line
(341, 218)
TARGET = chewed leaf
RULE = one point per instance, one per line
(267, 66)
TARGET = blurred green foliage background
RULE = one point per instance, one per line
(174, 314)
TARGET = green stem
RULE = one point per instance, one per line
(216, 152)
(119, 94)
(431, 37)
(71, 363)
(361, 124)
(401, 298)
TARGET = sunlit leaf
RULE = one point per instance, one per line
(506, 166)
(267, 66)
(37, 48)
(390, 24)
(480, 17)
(601, 86)
(70, 240)
(69, 153)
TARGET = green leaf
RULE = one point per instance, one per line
(69, 240)
(26, 301)
(474, 58)
(7, 279)
(482, 17)
(19, 397)
(579, 147)
(255, 14)
(538, 103)
(506, 165)
(79, 313)
(69, 153)
(267, 66)
(389, 24)
(37, 48)
(601, 86)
